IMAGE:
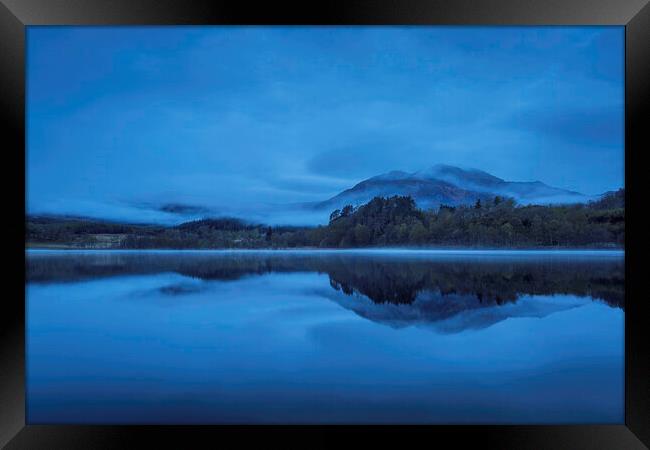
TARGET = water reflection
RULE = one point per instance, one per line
(324, 337)
(449, 292)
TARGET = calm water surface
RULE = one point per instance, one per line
(325, 337)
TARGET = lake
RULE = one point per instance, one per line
(390, 336)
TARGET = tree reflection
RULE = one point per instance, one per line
(379, 277)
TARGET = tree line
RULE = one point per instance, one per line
(382, 222)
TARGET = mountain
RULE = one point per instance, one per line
(427, 193)
(449, 185)
(451, 313)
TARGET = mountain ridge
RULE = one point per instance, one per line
(443, 184)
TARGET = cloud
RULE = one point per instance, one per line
(311, 184)
(599, 127)
(239, 119)
(353, 162)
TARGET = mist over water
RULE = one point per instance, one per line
(325, 337)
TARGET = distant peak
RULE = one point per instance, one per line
(441, 168)
(448, 167)
(457, 174)
(392, 175)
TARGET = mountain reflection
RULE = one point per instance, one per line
(486, 282)
(379, 277)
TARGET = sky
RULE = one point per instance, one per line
(242, 120)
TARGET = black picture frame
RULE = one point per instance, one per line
(15, 15)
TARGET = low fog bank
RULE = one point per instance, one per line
(178, 213)
(171, 214)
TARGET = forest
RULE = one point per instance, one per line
(382, 222)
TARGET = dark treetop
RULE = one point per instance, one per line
(382, 222)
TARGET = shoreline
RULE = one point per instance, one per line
(385, 250)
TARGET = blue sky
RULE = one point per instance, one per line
(121, 120)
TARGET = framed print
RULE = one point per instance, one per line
(360, 218)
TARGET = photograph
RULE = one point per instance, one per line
(325, 225)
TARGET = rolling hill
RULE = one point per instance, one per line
(449, 185)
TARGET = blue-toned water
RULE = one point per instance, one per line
(325, 337)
